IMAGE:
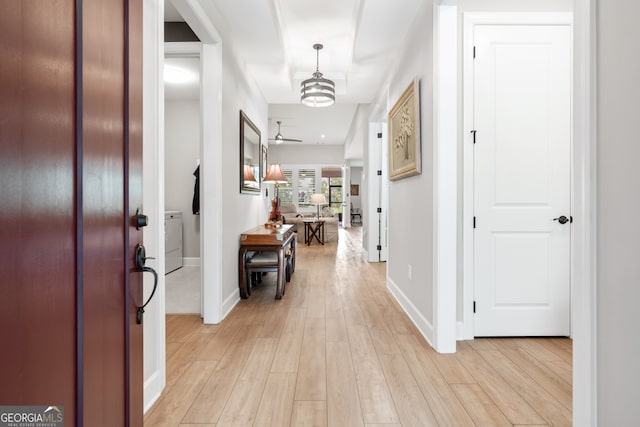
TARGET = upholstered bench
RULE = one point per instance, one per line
(265, 262)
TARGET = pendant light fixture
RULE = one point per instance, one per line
(318, 91)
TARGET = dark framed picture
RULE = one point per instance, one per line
(355, 190)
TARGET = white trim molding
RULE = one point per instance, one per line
(584, 313)
(470, 21)
(421, 322)
(191, 261)
(154, 346)
(210, 51)
(445, 170)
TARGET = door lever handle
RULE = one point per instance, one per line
(563, 219)
(140, 261)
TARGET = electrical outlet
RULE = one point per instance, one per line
(409, 271)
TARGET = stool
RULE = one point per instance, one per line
(264, 262)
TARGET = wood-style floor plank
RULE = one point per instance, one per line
(443, 402)
(375, 397)
(480, 406)
(339, 351)
(288, 353)
(277, 400)
(343, 405)
(312, 373)
(309, 414)
(242, 406)
(171, 407)
(412, 408)
(545, 404)
(515, 408)
(208, 405)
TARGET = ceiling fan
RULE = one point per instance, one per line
(279, 139)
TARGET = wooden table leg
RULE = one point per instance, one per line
(242, 274)
(280, 281)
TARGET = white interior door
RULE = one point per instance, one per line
(522, 173)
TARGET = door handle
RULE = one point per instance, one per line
(141, 258)
(563, 219)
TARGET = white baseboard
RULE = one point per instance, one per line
(153, 388)
(423, 325)
(365, 254)
(191, 261)
(228, 304)
(460, 331)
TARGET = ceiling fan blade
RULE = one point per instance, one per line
(284, 140)
(279, 139)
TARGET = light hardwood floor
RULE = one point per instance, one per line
(338, 350)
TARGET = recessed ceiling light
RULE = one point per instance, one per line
(322, 136)
(177, 75)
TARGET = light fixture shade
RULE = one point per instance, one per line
(274, 174)
(318, 199)
(248, 174)
(317, 91)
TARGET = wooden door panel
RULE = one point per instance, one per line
(104, 215)
(37, 228)
(134, 201)
(66, 240)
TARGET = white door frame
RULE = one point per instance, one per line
(210, 156)
(470, 21)
(583, 244)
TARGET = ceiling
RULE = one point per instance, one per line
(275, 39)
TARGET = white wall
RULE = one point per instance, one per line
(241, 212)
(618, 204)
(306, 154)
(182, 152)
(411, 199)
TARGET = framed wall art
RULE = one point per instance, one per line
(404, 134)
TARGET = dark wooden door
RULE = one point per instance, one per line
(71, 176)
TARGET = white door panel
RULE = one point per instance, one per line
(522, 115)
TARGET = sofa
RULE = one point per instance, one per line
(290, 215)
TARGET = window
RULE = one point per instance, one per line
(332, 187)
(332, 190)
(306, 186)
(286, 189)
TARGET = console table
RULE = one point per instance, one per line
(262, 238)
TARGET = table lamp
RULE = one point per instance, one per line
(318, 199)
(275, 175)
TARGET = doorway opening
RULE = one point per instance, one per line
(183, 292)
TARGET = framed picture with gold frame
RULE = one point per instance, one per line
(404, 134)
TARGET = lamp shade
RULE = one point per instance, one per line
(318, 199)
(248, 174)
(274, 174)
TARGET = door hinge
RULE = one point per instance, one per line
(474, 222)
(379, 210)
(474, 306)
(379, 135)
(380, 173)
(379, 247)
(473, 132)
(474, 52)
